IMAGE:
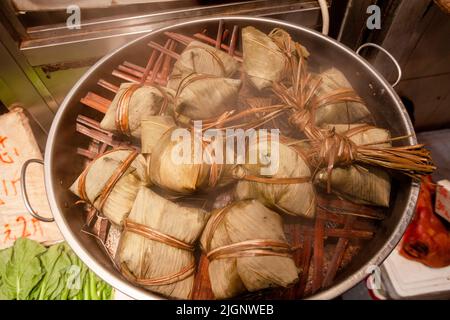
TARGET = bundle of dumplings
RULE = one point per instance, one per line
(244, 241)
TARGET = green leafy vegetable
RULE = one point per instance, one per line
(23, 271)
(55, 262)
(30, 271)
(74, 276)
(5, 256)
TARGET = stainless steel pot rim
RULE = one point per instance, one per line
(138, 293)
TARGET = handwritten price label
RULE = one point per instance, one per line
(8, 158)
(17, 144)
(24, 227)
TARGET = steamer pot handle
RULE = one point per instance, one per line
(23, 189)
(397, 65)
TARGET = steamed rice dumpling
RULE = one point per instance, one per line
(157, 243)
(360, 184)
(264, 62)
(173, 170)
(199, 57)
(294, 194)
(339, 113)
(153, 128)
(247, 250)
(361, 133)
(202, 96)
(110, 183)
(133, 103)
(283, 39)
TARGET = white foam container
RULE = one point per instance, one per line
(406, 279)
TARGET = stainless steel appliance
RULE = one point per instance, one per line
(62, 165)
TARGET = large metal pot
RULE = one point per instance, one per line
(62, 165)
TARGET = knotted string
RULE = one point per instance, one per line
(330, 148)
(337, 149)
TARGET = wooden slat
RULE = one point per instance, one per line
(318, 255)
(129, 78)
(92, 124)
(219, 35)
(164, 50)
(96, 102)
(211, 41)
(86, 153)
(340, 233)
(140, 70)
(345, 207)
(167, 62)
(305, 265)
(338, 254)
(107, 85)
(98, 135)
(181, 38)
(296, 238)
(358, 224)
(233, 41)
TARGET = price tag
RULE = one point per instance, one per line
(17, 144)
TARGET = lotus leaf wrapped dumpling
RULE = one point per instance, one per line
(338, 113)
(110, 183)
(294, 192)
(134, 103)
(202, 96)
(247, 250)
(157, 243)
(168, 170)
(199, 57)
(361, 184)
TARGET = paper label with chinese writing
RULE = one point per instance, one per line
(17, 144)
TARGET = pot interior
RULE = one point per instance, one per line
(63, 165)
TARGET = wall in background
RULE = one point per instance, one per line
(419, 37)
